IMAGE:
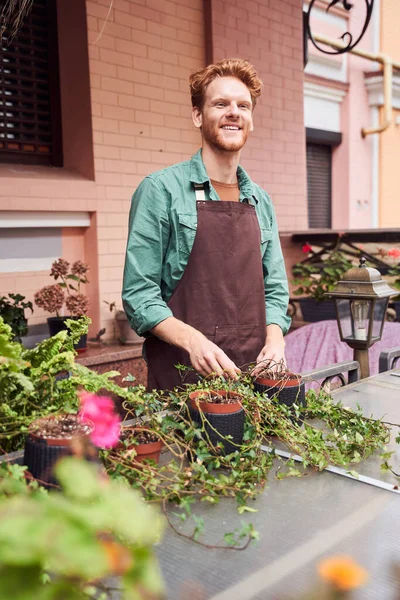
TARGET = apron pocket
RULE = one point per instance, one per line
(186, 232)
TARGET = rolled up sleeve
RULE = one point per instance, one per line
(147, 242)
(275, 280)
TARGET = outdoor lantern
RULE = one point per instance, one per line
(361, 299)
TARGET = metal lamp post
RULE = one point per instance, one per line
(361, 299)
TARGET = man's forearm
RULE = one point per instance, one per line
(176, 332)
(274, 334)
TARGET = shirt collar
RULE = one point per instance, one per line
(198, 174)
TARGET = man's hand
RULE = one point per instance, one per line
(205, 356)
(273, 352)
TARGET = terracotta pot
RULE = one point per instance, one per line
(213, 407)
(126, 335)
(144, 452)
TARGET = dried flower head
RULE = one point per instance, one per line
(77, 305)
(342, 572)
(59, 268)
(79, 268)
(50, 298)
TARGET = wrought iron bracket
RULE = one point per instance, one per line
(347, 38)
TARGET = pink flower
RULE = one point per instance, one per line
(306, 248)
(394, 252)
(100, 411)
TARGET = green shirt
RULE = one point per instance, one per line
(162, 228)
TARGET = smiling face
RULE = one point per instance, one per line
(226, 118)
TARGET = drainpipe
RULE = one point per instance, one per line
(388, 65)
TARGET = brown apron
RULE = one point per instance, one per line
(221, 292)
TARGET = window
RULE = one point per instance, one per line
(319, 185)
(29, 90)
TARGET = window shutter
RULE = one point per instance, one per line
(319, 185)
(26, 129)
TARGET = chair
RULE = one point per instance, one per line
(388, 359)
(328, 373)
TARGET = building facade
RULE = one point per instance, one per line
(351, 176)
(94, 96)
(122, 110)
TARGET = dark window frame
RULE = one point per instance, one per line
(20, 156)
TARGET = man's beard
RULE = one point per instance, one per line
(214, 137)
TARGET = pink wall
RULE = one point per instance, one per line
(271, 38)
(352, 159)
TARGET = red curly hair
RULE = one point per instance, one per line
(229, 67)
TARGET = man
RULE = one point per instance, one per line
(204, 276)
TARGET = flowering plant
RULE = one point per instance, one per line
(100, 411)
(315, 280)
(66, 291)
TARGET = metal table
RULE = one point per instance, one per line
(300, 521)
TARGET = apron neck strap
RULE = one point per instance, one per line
(199, 191)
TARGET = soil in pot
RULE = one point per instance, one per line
(146, 444)
(48, 440)
(223, 416)
(57, 324)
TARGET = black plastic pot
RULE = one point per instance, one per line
(313, 311)
(40, 458)
(57, 324)
(286, 392)
(220, 425)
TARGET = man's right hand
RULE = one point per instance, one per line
(205, 356)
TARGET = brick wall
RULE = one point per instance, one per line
(139, 68)
(269, 34)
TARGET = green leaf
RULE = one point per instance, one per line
(243, 509)
(354, 474)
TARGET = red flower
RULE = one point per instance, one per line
(100, 411)
(394, 252)
(306, 248)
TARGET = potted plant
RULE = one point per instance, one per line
(140, 444)
(313, 280)
(47, 380)
(280, 384)
(123, 330)
(12, 311)
(49, 439)
(221, 413)
(54, 436)
(66, 292)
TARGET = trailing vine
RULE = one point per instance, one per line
(322, 432)
(193, 467)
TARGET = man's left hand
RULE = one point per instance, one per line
(273, 351)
